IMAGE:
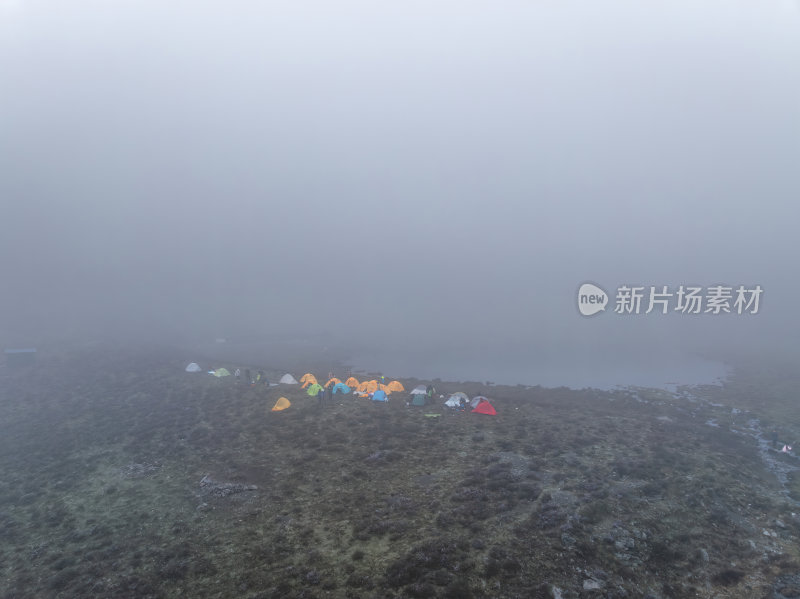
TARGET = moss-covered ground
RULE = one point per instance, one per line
(123, 476)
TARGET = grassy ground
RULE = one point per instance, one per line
(123, 476)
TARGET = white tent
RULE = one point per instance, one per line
(476, 400)
(453, 402)
(419, 390)
(193, 367)
(288, 379)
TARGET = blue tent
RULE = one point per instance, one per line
(341, 388)
(379, 395)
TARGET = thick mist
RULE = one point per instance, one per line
(414, 177)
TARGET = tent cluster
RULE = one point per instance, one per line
(259, 378)
(219, 372)
(279, 406)
(372, 389)
(478, 404)
(377, 391)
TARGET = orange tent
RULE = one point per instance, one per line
(395, 386)
(308, 379)
(333, 381)
(370, 386)
(281, 404)
(352, 382)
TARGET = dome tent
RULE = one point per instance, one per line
(484, 407)
(281, 404)
(314, 389)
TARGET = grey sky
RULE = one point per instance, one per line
(454, 167)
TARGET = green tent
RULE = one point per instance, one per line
(419, 400)
(314, 389)
(221, 372)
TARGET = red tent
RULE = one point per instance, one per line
(484, 407)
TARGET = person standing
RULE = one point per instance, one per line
(320, 396)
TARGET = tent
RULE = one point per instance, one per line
(379, 395)
(193, 367)
(476, 400)
(308, 379)
(419, 399)
(352, 382)
(314, 389)
(281, 404)
(395, 386)
(368, 386)
(333, 381)
(288, 379)
(484, 407)
(340, 388)
(221, 372)
(419, 390)
(458, 396)
(453, 402)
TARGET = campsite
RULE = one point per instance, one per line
(125, 475)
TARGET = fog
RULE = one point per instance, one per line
(431, 179)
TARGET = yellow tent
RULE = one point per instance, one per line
(333, 381)
(281, 404)
(352, 382)
(396, 386)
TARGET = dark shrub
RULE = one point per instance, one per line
(492, 568)
(441, 578)
(421, 590)
(511, 566)
(728, 577)
(665, 553)
(458, 589)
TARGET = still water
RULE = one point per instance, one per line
(568, 369)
